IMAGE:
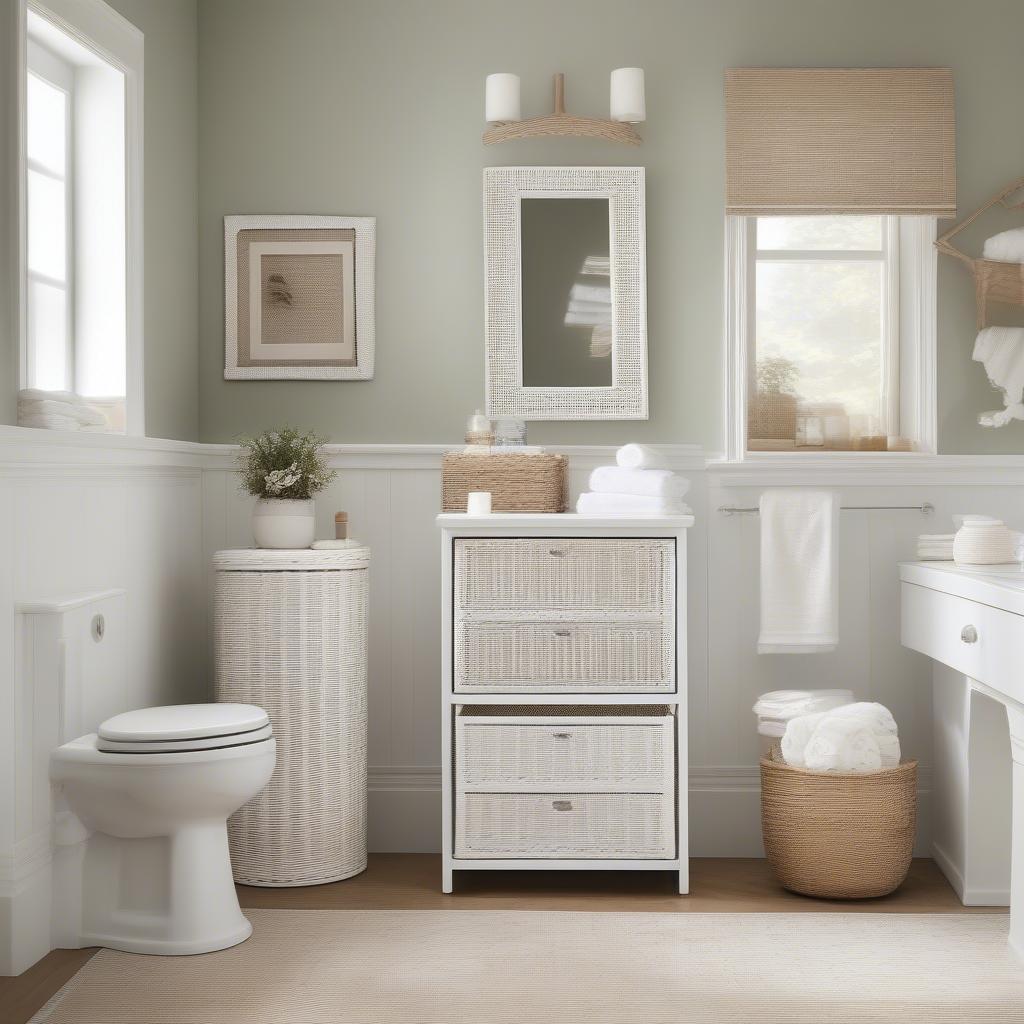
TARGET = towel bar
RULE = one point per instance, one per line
(925, 508)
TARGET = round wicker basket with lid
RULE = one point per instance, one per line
(290, 636)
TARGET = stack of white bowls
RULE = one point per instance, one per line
(984, 541)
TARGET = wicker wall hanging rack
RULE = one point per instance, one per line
(994, 281)
(561, 123)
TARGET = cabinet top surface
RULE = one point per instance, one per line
(559, 522)
(1001, 586)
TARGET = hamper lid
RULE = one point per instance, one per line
(292, 559)
(183, 722)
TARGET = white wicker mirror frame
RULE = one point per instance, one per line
(504, 188)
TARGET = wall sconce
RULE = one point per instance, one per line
(627, 108)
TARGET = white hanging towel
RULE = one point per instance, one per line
(799, 572)
(1001, 351)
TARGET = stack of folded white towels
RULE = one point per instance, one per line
(639, 484)
(860, 737)
(57, 410)
(935, 547)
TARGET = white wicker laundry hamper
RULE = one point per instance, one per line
(290, 636)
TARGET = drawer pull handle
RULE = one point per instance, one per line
(969, 635)
(556, 552)
(562, 632)
(562, 735)
(562, 805)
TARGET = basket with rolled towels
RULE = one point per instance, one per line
(640, 483)
(838, 807)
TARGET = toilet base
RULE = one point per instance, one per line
(159, 947)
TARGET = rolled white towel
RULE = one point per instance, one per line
(870, 714)
(40, 395)
(639, 456)
(798, 734)
(1006, 247)
(842, 745)
(658, 483)
(591, 503)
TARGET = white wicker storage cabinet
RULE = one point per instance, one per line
(564, 693)
(290, 636)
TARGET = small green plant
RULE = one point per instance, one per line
(284, 464)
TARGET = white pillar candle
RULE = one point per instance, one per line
(502, 98)
(478, 503)
(627, 91)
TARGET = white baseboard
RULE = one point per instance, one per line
(970, 896)
(725, 811)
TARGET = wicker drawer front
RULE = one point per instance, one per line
(608, 577)
(600, 826)
(564, 753)
(565, 657)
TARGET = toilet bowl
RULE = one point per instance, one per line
(155, 788)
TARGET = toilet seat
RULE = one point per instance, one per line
(182, 728)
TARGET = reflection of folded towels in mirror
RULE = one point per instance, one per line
(590, 305)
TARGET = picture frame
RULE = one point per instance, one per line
(299, 297)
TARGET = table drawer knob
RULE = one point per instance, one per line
(562, 632)
(556, 552)
(562, 735)
(969, 635)
(562, 805)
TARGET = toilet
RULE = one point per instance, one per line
(154, 789)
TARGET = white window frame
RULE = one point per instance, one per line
(909, 333)
(51, 69)
(98, 27)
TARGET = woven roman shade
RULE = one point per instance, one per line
(840, 140)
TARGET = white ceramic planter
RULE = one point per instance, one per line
(284, 523)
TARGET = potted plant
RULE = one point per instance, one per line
(283, 469)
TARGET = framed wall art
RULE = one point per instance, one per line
(298, 297)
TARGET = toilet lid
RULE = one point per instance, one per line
(237, 739)
(183, 722)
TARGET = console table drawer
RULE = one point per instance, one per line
(584, 826)
(564, 657)
(607, 577)
(597, 749)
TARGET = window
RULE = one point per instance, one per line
(49, 278)
(832, 343)
(81, 210)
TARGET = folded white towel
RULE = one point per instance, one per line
(1006, 247)
(871, 714)
(85, 414)
(639, 456)
(842, 745)
(1001, 351)
(658, 483)
(799, 571)
(591, 503)
(49, 422)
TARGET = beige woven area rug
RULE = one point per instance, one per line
(478, 967)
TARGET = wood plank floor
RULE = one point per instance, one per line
(409, 881)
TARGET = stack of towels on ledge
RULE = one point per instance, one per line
(859, 737)
(639, 484)
(57, 410)
(935, 547)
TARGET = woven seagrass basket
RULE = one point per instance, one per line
(523, 482)
(840, 837)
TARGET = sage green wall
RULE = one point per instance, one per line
(376, 107)
(171, 213)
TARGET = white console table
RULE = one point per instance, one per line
(563, 679)
(971, 622)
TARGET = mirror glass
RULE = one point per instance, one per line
(566, 293)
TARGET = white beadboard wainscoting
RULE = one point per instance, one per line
(81, 513)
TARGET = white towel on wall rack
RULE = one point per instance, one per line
(799, 571)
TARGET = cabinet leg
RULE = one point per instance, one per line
(446, 880)
(684, 883)
(1016, 720)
